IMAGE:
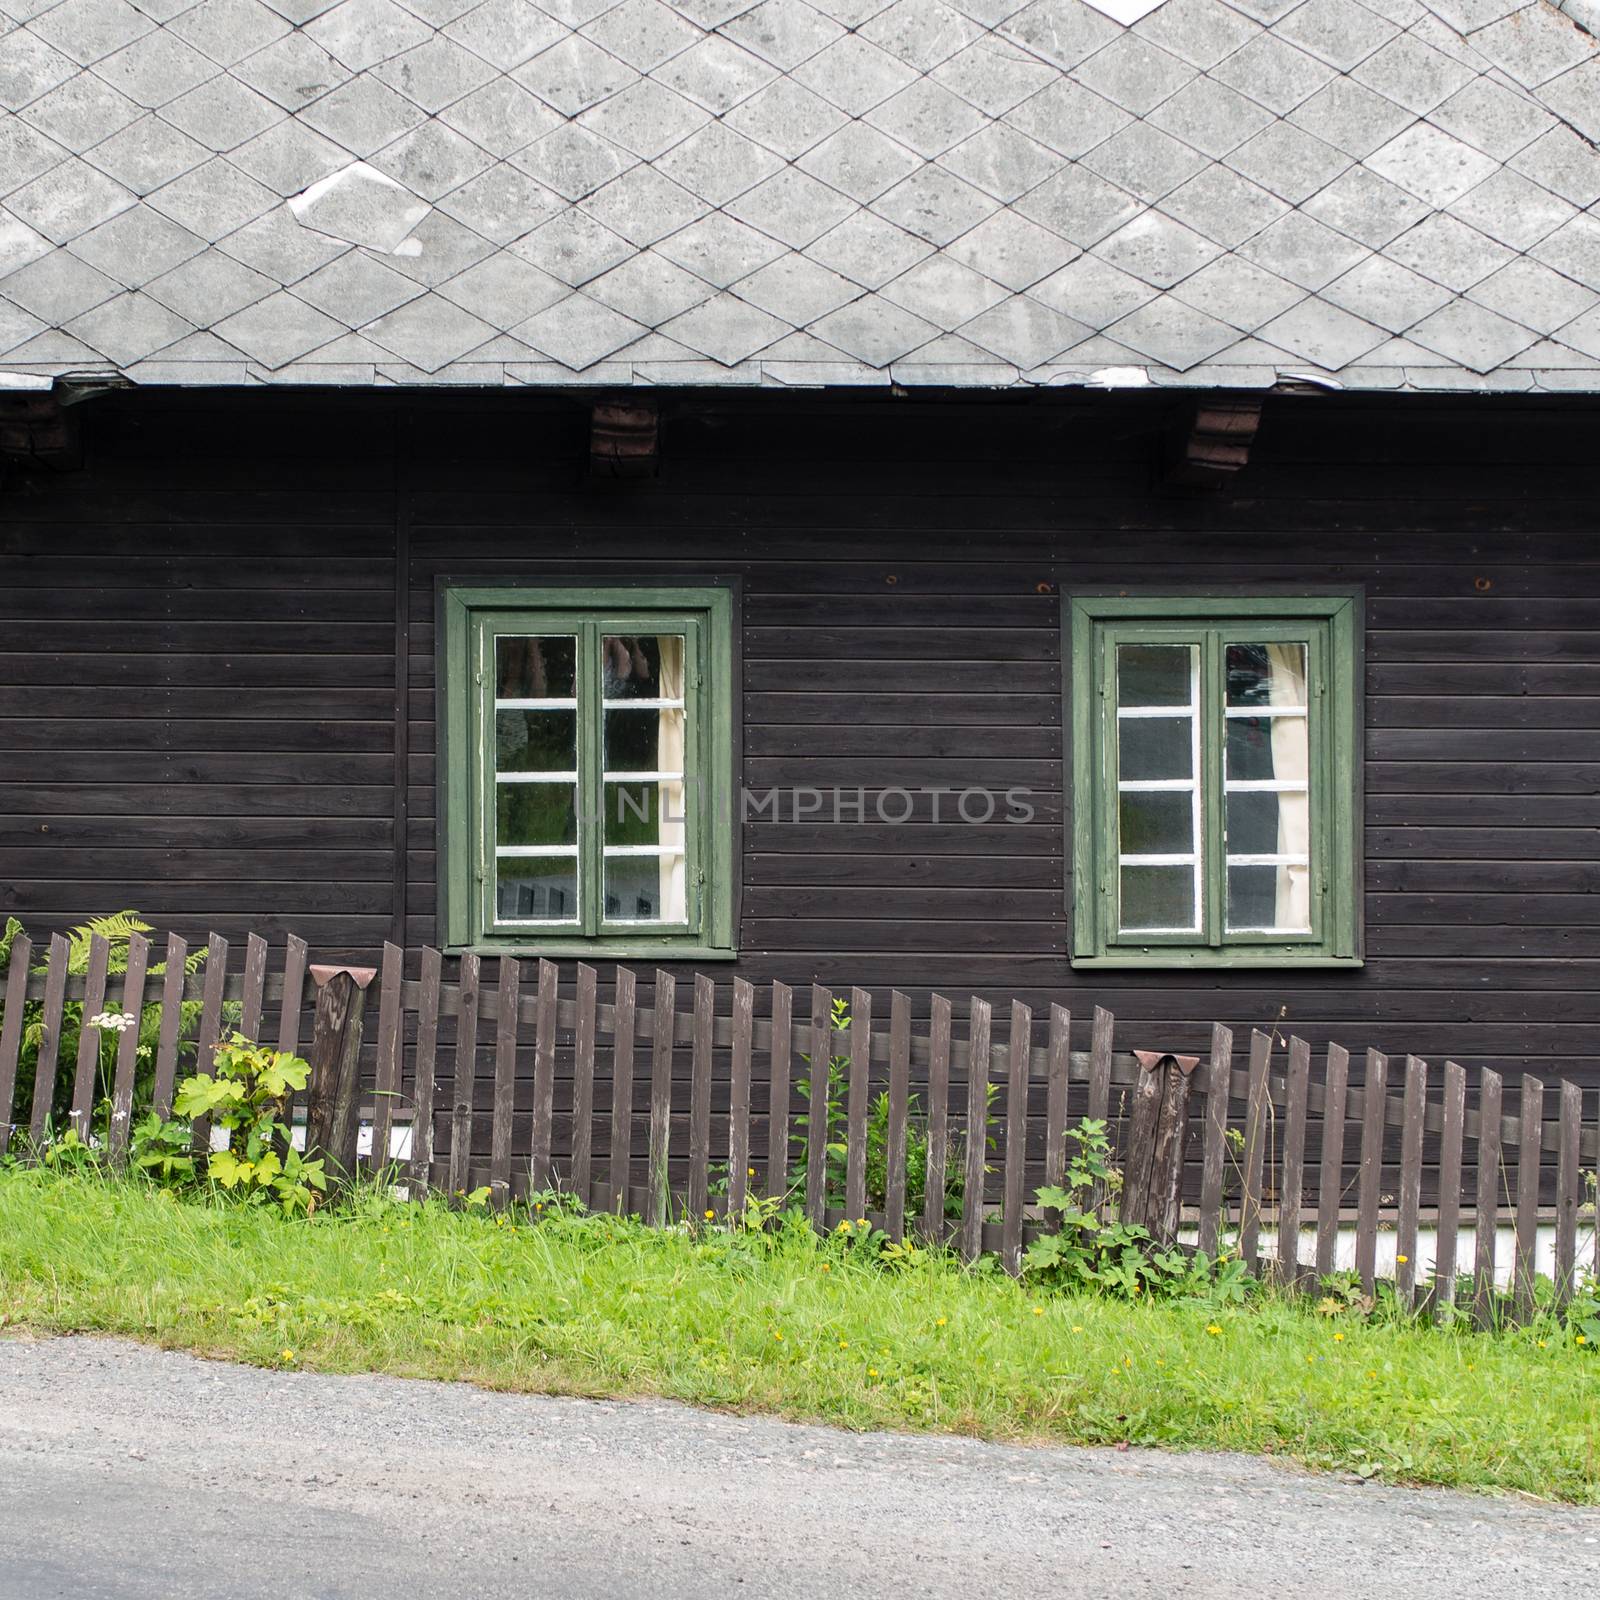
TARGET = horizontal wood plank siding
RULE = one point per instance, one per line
(197, 677)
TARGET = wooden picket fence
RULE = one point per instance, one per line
(687, 1107)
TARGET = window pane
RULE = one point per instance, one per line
(535, 666)
(1266, 674)
(642, 666)
(1267, 747)
(1155, 747)
(536, 813)
(645, 889)
(535, 741)
(1256, 822)
(1269, 897)
(536, 889)
(644, 813)
(644, 739)
(1154, 674)
(1156, 823)
(1158, 897)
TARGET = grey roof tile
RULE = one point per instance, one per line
(29, 68)
(278, 328)
(147, 154)
(1001, 162)
(1471, 335)
(355, 288)
(1157, 249)
(797, 289)
(502, 117)
(859, 161)
(1534, 295)
(922, 33)
(936, 205)
(912, 188)
(787, 118)
(81, 112)
(1210, 117)
(720, 250)
(504, 33)
(574, 161)
(1507, 207)
(649, 288)
(784, 32)
(86, 30)
(726, 328)
(1145, 161)
(1385, 293)
(435, 74)
(1012, 250)
(1225, 207)
(137, 245)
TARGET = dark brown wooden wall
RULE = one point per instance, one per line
(198, 672)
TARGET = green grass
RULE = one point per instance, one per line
(795, 1327)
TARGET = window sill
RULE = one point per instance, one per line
(1215, 959)
(597, 950)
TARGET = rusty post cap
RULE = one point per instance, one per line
(1151, 1060)
(320, 975)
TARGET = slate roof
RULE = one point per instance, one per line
(1389, 193)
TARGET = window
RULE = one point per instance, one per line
(1214, 778)
(586, 770)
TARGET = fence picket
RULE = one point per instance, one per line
(386, 1085)
(1530, 1139)
(1100, 1043)
(739, 1168)
(11, 1033)
(619, 1156)
(779, 1055)
(1292, 1191)
(977, 1130)
(254, 986)
(855, 1179)
(466, 1069)
(505, 1080)
(46, 1060)
(294, 994)
(1330, 1174)
(897, 1136)
(85, 1080)
(1490, 1089)
(210, 1030)
(1258, 1107)
(175, 962)
(1569, 1180)
(1374, 1091)
(817, 1117)
(540, 1173)
(1455, 1116)
(661, 1049)
(583, 1084)
(705, 999)
(1057, 1091)
(427, 1066)
(1405, 1274)
(117, 1134)
(1021, 1046)
(1215, 1147)
(933, 1194)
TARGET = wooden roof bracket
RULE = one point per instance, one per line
(624, 438)
(1211, 442)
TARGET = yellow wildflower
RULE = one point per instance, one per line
(750, 1172)
(709, 1213)
(939, 1322)
(1213, 1329)
(844, 1344)
(1077, 1327)
(872, 1372)
(1038, 1311)
(1338, 1338)
(778, 1335)
(288, 1355)
(1582, 1339)
(827, 1266)
(1402, 1259)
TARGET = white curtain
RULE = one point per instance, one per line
(1290, 756)
(670, 747)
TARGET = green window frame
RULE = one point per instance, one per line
(1216, 780)
(587, 770)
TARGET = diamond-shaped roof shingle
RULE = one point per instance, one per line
(962, 191)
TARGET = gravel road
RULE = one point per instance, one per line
(120, 1475)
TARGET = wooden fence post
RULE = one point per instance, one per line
(1152, 1190)
(331, 1109)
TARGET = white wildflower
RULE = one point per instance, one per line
(113, 1021)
